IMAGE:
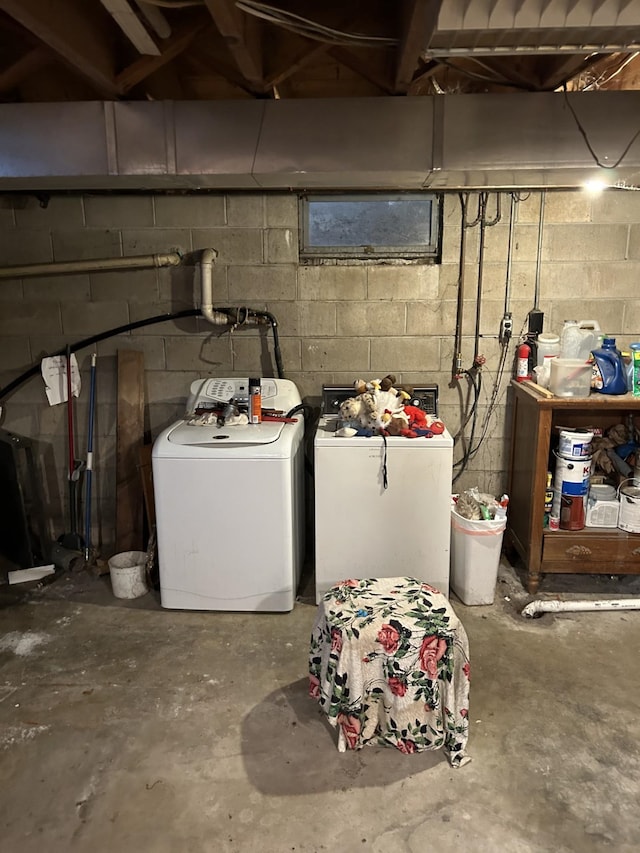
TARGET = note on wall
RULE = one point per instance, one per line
(54, 373)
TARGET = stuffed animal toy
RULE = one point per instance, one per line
(361, 410)
(421, 424)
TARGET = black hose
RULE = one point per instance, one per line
(138, 324)
(87, 342)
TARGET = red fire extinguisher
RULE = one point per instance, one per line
(522, 362)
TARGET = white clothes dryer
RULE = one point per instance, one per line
(382, 509)
(229, 503)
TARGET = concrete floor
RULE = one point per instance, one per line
(126, 727)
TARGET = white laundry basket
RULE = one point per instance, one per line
(475, 557)
(128, 575)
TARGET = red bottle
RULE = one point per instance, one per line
(522, 363)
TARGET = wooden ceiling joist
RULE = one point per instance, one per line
(77, 36)
(242, 35)
(147, 65)
(419, 26)
(366, 70)
(27, 65)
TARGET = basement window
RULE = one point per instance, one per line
(371, 226)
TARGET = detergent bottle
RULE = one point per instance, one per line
(609, 373)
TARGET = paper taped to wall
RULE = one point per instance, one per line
(54, 373)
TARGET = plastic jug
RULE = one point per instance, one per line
(609, 373)
(547, 345)
(579, 338)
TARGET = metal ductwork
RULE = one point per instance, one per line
(524, 140)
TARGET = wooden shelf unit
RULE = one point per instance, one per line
(592, 550)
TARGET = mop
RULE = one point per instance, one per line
(72, 540)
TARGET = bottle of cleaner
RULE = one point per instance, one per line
(609, 374)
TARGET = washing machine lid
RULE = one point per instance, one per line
(239, 435)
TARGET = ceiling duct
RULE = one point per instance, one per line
(524, 140)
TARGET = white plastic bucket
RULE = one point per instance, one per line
(575, 444)
(629, 515)
(128, 576)
(475, 557)
(572, 475)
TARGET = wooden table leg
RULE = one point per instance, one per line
(533, 582)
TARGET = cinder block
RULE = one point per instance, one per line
(11, 290)
(608, 312)
(431, 317)
(362, 319)
(329, 283)
(245, 211)
(281, 211)
(63, 288)
(155, 241)
(251, 356)
(192, 211)
(172, 387)
(181, 286)
(327, 354)
(152, 347)
(118, 211)
(210, 355)
(281, 246)
(234, 246)
(401, 282)
(306, 319)
(261, 283)
(127, 286)
(31, 318)
(15, 353)
(89, 318)
(25, 246)
(634, 241)
(570, 206)
(598, 280)
(585, 242)
(400, 354)
(79, 245)
(67, 210)
(184, 326)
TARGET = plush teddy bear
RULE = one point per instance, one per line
(361, 410)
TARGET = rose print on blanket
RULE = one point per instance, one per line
(389, 664)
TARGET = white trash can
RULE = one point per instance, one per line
(475, 557)
(128, 574)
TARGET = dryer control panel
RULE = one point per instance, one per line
(424, 397)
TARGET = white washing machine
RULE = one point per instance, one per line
(363, 529)
(229, 503)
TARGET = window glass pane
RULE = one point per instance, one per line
(374, 225)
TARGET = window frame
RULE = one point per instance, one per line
(427, 253)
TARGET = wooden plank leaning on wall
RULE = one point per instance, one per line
(129, 439)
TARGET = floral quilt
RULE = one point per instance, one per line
(389, 664)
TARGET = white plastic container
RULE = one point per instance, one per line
(548, 345)
(128, 575)
(602, 506)
(578, 338)
(575, 443)
(475, 557)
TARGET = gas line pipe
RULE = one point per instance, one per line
(538, 607)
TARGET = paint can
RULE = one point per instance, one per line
(629, 515)
(572, 512)
(572, 475)
(575, 444)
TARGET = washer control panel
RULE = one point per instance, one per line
(424, 397)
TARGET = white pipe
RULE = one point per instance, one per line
(535, 608)
(91, 265)
(205, 265)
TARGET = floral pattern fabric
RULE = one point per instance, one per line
(389, 664)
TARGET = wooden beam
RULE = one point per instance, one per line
(146, 65)
(363, 68)
(75, 33)
(242, 35)
(129, 439)
(305, 57)
(27, 65)
(420, 24)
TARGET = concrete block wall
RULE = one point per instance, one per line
(336, 322)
